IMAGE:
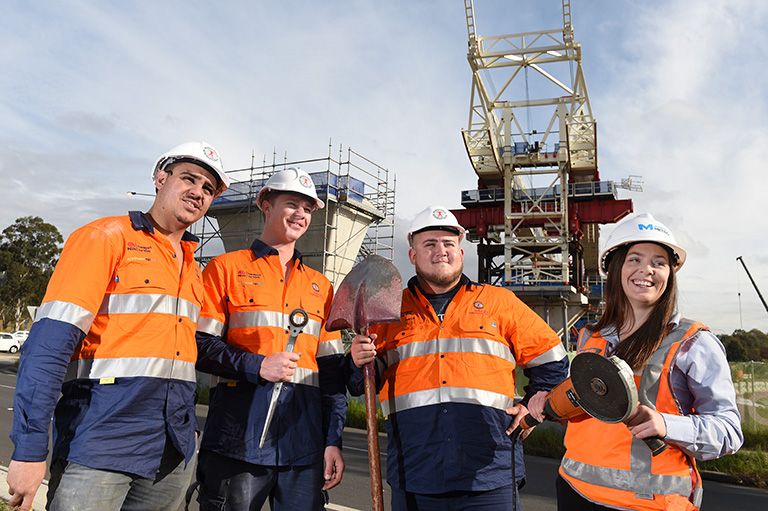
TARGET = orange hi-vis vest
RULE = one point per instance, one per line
(248, 302)
(469, 357)
(137, 310)
(607, 465)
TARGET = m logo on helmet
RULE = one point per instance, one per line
(440, 214)
(305, 181)
(211, 153)
(652, 227)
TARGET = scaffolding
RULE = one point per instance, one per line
(358, 220)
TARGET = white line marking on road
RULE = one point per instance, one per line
(7, 386)
(347, 448)
(337, 507)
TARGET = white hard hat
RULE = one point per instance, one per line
(201, 153)
(292, 179)
(435, 217)
(641, 228)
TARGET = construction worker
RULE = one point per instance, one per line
(115, 336)
(684, 385)
(446, 375)
(242, 337)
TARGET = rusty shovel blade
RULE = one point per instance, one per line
(371, 293)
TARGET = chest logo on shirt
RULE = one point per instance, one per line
(478, 305)
(135, 247)
(315, 287)
(246, 277)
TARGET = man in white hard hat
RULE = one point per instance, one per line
(115, 336)
(446, 375)
(242, 336)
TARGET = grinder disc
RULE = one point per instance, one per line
(605, 386)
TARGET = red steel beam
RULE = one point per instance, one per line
(598, 211)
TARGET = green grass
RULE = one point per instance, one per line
(748, 465)
(356, 416)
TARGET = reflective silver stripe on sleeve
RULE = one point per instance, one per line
(446, 395)
(333, 347)
(555, 354)
(66, 312)
(626, 480)
(210, 326)
(251, 319)
(150, 367)
(149, 304)
(301, 376)
(450, 345)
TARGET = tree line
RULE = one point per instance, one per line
(29, 250)
(742, 346)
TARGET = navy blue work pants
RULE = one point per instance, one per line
(499, 499)
(227, 484)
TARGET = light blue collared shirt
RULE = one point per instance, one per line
(701, 384)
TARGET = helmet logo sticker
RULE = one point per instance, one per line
(478, 305)
(440, 214)
(210, 153)
(652, 227)
(305, 181)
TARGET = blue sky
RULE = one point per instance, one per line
(92, 92)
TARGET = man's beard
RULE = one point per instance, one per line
(440, 279)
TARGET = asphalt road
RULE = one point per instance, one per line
(354, 491)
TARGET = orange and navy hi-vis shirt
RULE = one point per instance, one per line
(117, 328)
(445, 386)
(244, 319)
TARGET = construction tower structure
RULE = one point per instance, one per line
(358, 218)
(532, 141)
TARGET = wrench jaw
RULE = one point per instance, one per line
(297, 320)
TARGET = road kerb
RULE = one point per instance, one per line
(39, 503)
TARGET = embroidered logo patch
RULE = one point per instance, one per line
(478, 305)
(135, 247)
(315, 287)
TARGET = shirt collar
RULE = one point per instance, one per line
(261, 249)
(140, 221)
(413, 283)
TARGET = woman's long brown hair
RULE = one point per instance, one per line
(636, 349)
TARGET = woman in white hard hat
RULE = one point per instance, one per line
(684, 385)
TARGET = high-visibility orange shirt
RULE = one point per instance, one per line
(244, 319)
(117, 327)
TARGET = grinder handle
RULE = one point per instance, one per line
(655, 444)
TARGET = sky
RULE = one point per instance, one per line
(93, 92)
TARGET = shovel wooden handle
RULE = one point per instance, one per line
(372, 427)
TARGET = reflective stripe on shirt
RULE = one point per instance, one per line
(332, 347)
(66, 312)
(446, 395)
(129, 367)
(555, 354)
(210, 326)
(252, 319)
(301, 375)
(149, 303)
(452, 345)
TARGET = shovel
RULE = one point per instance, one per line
(371, 293)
